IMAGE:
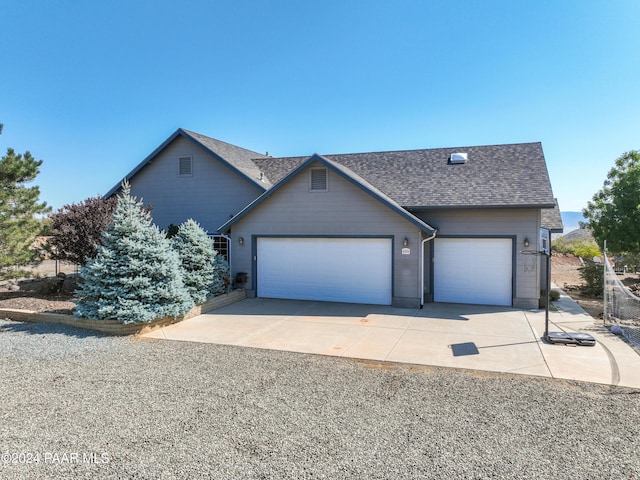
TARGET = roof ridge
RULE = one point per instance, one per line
(196, 134)
(409, 150)
(347, 174)
(436, 148)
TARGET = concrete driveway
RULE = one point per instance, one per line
(477, 337)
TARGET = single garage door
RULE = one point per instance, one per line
(353, 270)
(473, 270)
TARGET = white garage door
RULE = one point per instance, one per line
(477, 270)
(353, 270)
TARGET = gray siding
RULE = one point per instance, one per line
(522, 223)
(210, 196)
(343, 210)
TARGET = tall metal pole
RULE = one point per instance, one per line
(546, 313)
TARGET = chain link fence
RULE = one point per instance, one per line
(621, 307)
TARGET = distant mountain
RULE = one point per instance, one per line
(579, 234)
(571, 220)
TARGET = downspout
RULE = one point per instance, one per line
(422, 266)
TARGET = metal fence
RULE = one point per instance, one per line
(621, 306)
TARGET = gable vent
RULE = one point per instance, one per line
(458, 158)
(319, 179)
(184, 169)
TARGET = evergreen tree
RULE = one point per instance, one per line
(136, 276)
(196, 253)
(221, 272)
(19, 206)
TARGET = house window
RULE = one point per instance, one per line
(221, 245)
(319, 180)
(185, 165)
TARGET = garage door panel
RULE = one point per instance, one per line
(351, 270)
(473, 271)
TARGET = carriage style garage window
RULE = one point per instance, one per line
(185, 165)
(319, 180)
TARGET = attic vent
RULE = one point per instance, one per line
(319, 180)
(184, 167)
(457, 158)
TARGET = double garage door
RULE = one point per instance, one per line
(359, 270)
(352, 270)
(473, 270)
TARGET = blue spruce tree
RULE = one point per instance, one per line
(136, 276)
(221, 272)
(196, 253)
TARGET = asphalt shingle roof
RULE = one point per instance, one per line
(345, 173)
(513, 175)
(552, 219)
(239, 158)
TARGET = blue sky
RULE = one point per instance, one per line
(92, 88)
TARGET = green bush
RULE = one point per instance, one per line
(593, 275)
(560, 245)
(586, 249)
(554, 296)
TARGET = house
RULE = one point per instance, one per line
(193, 176)
(401, 228)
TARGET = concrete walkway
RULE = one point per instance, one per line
(477, 337)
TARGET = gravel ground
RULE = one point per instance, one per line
(89, 406)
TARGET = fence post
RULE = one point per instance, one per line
(604, 285)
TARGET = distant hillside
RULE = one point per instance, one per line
(571, 220)
(579, 234)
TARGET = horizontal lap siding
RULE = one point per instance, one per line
(210, 196)
(343, 210)
(523, 223)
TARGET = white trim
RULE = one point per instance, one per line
(424, 242)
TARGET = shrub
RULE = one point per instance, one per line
(593, 275)
(76, 229)
(554, 296)
(586, 249)
(136, 275)
(221, 276)
(197, 257)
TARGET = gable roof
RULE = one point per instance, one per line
(237, 159)
(495, 176)
(345, 173)
(552, 219)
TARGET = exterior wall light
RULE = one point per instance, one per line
(526, 242)
(241, 241)
(405, 243)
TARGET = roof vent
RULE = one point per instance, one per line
(457, 158)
